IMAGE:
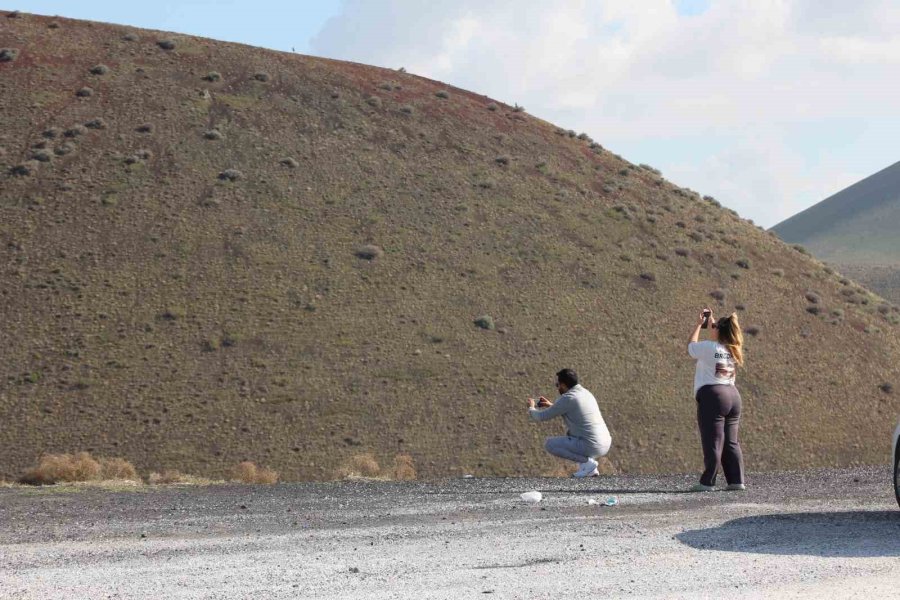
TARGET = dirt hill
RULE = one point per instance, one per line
(212, 252)
(856, 230)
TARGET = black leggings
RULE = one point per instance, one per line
(718, 415)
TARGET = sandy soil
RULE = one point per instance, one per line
(830, 533)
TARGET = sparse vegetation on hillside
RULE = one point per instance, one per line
(210, 285)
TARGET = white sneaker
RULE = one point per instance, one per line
(736, 487)
(699, 487)
(587, 469)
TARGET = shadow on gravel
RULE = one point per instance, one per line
(860, 534)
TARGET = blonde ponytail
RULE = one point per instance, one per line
(732, 337)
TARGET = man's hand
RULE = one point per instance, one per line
(544, 403)
(531, 403)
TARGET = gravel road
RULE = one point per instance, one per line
(814, 534)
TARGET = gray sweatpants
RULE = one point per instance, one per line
(572, 448)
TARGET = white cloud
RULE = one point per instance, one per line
(746, 73)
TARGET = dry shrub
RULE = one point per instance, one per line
(359, 465)
(248, 472)
(176, 477)
(117, 468)
(69, 468)
(404, 468)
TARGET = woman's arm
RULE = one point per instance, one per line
(695, 336)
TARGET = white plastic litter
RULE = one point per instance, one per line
(592, 501)
(468, 476)
(532, 497)
(611, 501)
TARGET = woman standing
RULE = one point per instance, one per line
(718, 400)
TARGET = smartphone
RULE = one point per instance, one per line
(706, 315)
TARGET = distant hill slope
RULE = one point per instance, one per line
(858, 225)
(857, 229)
(212, 252)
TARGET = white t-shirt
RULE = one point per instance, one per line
(715, 365)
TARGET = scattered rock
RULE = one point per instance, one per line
(231, 175)
(485, 322)
(289, 162)
(99, 70)
(75, 131)
(140, 155)
(8, 54)
(64, 148)
(166, 44)
(213, 134)
(369, 252)
(213, 76)
(96, 124)
(261, 77)
(85, 92)
(42, 156)
(354, 569)
(25, 169)
(145, 128)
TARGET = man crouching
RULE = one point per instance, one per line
(587, 437)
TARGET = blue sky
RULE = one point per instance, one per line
(280, 25)
(768, 105)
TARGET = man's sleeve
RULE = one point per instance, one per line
(699, 350)
(559, 408)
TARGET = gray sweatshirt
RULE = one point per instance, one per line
(579, 410)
